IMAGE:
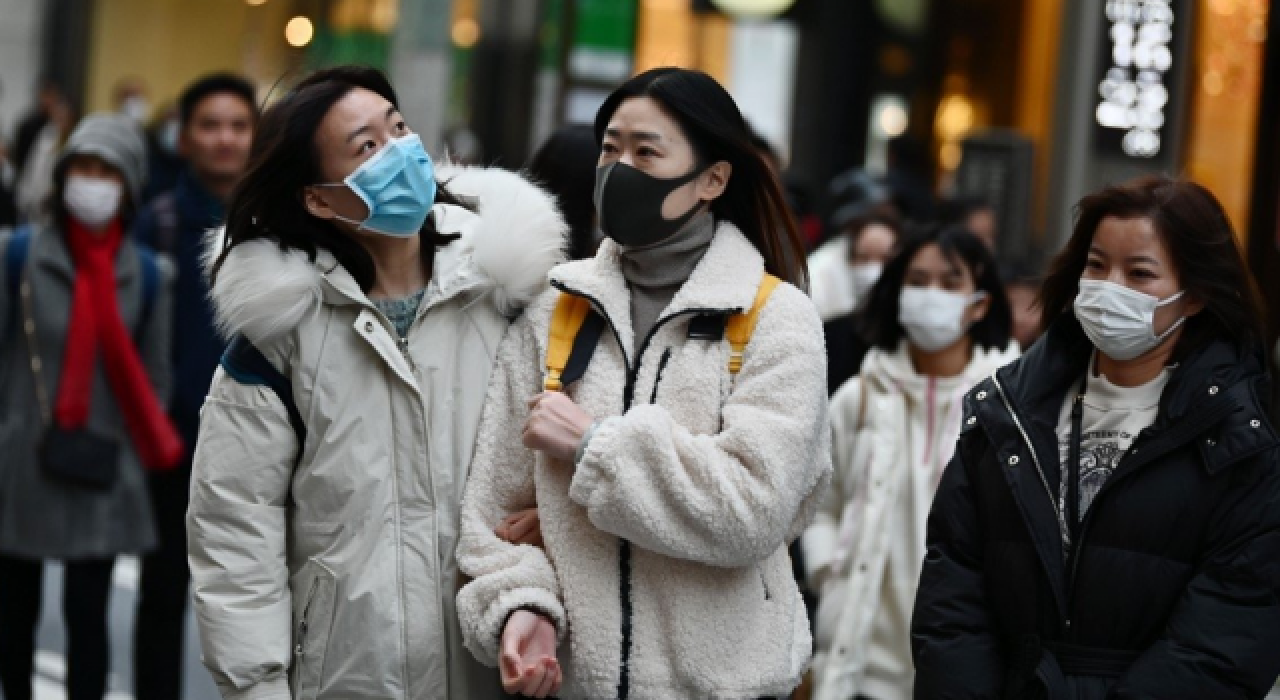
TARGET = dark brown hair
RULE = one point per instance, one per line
(1198, 234)
(267, 202)
(960, 247)
(753, 201)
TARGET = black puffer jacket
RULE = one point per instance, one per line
(1174, 589)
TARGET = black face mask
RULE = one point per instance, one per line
(629, 203)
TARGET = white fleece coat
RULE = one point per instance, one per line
(665, 569)
(892, 430)
(831, 284)
(337, 579)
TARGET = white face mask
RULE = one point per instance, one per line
(136, 107)
(1121, 321)
(92, 201)
(865, 276)
(934, 318)
(168, 136)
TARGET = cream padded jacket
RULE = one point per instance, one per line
(665, 569)
(336, 579)
(878, 420)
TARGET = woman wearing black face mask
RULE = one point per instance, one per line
(1110, 524)
(687, 448)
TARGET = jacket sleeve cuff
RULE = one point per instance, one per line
(274, 689)
(818, 542)
(495, 618)
(594, 470)
(586, 440)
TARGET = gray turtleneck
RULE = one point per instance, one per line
(656, 272)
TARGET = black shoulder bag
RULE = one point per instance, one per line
(77, 457)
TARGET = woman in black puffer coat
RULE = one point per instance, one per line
(1152, 569)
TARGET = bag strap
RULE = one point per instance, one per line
(15, 257)
(245, 363)
(566, 320)
(740, 326)
(33, 351)
(150, 282)
(576, 329)
(15, 264)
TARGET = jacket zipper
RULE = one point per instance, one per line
(628, 394)
(299, 647)
(662, 367)
(1044, 481)
(404, 350)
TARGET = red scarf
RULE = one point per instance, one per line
(95, 325)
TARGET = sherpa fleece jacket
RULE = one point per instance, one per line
(665, 569)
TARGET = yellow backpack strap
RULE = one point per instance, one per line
(740, 326)
(570, 312)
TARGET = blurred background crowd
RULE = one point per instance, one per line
(1000, 112)
(878, 114)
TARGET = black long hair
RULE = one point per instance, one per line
(753, 200)
(566, 166)
(993, 332)
(1206, 255)
(267, 203)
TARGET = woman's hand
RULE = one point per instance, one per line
(528, 665)
(523, 527)
(555, 426)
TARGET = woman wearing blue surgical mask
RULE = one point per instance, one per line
(365, 292)
(1108, 526)
(938, 322)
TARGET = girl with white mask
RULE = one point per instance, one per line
(1107, 528)
(84, 376)
(939, 322)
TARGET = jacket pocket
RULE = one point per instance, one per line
(313, 605)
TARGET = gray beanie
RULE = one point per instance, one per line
(115, 139)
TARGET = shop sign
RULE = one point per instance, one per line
(1135, 69)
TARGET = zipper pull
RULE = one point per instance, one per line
(404, 350)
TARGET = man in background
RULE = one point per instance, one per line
(217, 116)
(36, 144)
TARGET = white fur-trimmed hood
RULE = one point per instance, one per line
(515, 237)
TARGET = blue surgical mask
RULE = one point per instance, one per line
(398, 185)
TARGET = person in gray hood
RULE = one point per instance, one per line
(84, 376)
(380, 286)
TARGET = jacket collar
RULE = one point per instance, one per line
(505, 249)
(454, 271)
(1215, 395)
(49, 251)
(894, 371)
(724, 281)
(196, 205)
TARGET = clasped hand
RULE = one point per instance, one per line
(528, 663)
(555, 426)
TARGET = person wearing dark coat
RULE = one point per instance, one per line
(218, 113)
(1110, 524)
